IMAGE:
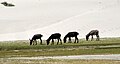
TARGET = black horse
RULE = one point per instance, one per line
(54, 36)
(71, 34)
(7, 4)
(35, 37)
(91, 33)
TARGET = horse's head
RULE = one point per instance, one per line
(30, 41)
(87, 37)
(64, 39)
(48, 41)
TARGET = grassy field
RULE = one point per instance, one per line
(23, 49)
(51, 61)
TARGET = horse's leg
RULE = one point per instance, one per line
(97, 37)
(52, 42)
(69, 39)
(77, 39)
(40, 41)
(33, 42)
(36, 42)
(92, 37)
(60, 41)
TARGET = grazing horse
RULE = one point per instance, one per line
(71, 34)
(54, 36)
(7, 4)
(35, 37)
(91, 33)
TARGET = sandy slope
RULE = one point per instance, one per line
(50, 16)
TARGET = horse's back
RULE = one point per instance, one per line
(72, 34)
(94, 32)
(37, 36)
(55, 35)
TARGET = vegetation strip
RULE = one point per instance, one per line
(23, 49)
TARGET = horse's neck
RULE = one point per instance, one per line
(65, 37)
(33, 39)
(49, 39)
(88, 34)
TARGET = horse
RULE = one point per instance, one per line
(35, 37)
(54, 36)
(71, 34)
(91, 33)
(7, 4)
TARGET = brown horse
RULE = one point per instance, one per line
(71, 34)
(91, 33)
(54, 36)
(35, 37)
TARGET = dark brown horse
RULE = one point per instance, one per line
(54, 36)
(91, 33)
(71, 34)
(35, 37)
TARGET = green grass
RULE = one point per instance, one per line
(53, 61)
(22, 45)
(23, 49)
(30, 53)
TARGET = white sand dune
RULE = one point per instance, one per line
(29, 17)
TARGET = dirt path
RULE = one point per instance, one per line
(107, 57)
